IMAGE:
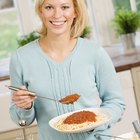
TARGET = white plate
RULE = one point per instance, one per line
(97, 111)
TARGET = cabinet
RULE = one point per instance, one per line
(136, 80)
(131, 112)
(17, 134)
(10, 135)
(31, 132)
(8, 129)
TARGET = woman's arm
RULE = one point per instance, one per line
(21, 106)
(109, 87)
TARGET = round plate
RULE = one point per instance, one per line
(98, 111)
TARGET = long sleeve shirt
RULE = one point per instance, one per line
(88, 71)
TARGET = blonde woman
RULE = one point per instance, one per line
(61, 63)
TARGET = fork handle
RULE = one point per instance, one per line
(16, 89)
(31, 93)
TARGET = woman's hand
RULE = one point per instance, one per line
(22, 99)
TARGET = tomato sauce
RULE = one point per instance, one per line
(70, 99)
(80, 117)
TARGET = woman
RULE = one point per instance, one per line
(61, 63)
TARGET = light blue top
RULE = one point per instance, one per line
(88, 71)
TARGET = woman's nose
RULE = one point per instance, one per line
(57, 13)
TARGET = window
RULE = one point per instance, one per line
(121, 4)
(8, 27)
(15, 20)
(102, 14)
(138, 4)
(6, 4)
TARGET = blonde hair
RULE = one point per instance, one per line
(79, 23)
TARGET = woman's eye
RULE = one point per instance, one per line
(65, 7)
(48, 7)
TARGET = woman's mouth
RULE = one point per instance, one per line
(57, 23)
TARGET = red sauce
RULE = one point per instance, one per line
(80, 117)
(70, 99)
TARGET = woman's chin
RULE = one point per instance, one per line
(59, 32)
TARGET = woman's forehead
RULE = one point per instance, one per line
(59, 1)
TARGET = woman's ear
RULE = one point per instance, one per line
(40, 10)
(75, 14)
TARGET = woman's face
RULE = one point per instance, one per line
(58, 16)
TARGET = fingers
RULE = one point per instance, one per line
(22, 88)
(22, 99)
(24, 105)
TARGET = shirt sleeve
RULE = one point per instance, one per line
(109, 87)
(16, 74)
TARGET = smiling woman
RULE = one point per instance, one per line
(59, 63)
(50, 16)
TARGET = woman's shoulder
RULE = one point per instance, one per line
(91, 45)
(29, 46)
(92, 48)
(26, 51)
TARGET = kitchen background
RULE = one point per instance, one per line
(17, 18)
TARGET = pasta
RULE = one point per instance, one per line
(60, 125)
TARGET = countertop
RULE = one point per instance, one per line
(122, 60)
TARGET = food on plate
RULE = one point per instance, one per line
(80, 119)
(70, 99)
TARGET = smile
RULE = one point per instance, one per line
(57, 23)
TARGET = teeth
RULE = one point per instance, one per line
(57, 22)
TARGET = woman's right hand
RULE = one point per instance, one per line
(22, 99)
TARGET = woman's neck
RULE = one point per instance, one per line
(59, 43)
(58, 48)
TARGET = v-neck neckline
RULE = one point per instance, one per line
(52, 60)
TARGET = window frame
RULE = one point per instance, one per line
(26, 16)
